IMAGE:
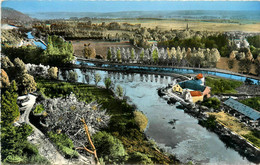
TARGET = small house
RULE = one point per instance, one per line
(177, 88)
(187, 96)
(196, 96)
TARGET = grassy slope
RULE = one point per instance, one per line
(122, 124)
(252, 102)
(221, 85)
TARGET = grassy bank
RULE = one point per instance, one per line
(252, 102)
(234, 125)
(123, 123)
(221, 85)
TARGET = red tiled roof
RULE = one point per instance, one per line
(199, 76)
(195, 93)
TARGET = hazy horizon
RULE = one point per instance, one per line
(26, 6)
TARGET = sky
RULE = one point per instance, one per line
(29, 6)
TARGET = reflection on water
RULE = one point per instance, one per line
(186, 139)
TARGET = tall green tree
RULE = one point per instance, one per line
(107, 82)
(97, 78)
(245, 65)
(19, 67)
(155, 55)
(109, 54)
(118, 53)
(9, 108)
(142, 55)
(26, 84)
(132, 54)
(119, 91)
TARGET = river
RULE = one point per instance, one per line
(186, 138)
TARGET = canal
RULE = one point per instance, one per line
(186, 138)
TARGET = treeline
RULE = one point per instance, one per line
(174, 57)
(121, 31)
(58, 52)
(219, 42)
(254, 41)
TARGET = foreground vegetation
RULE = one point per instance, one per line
(58, 52)
(220, 85)
(15, 148)
(125, 125)
(235, 126)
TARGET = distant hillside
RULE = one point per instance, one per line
(182, 14)
(14, 16)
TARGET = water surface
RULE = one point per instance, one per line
(186, 139)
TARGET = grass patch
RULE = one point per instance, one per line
(38, 109)
(220, 85)
(252, 102)
(64, 144)
(123, 124)
(234, 125)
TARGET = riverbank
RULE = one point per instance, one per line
(100, 64)
(122, 124)
(230, 138)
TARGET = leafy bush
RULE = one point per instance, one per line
(211, 103)
(109, 147)
(38, 109)
(141, 120)
(14, 159)
(9, 108)
(64, 144)
(210, 123)
(140, 158)
(16, 148)
(108, 82)
(119, 91)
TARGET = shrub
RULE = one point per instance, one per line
(73, 76)
(210, 123)
(69, 152)
(211, 103)
(119, 91)
(108, 82)
(97, 78)
(14, 159)
(38, 109)
(140, 158)
(141, 120)
(64, 144)
(109, 147)
(53, 72)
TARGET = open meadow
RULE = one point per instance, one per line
(168, 24)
